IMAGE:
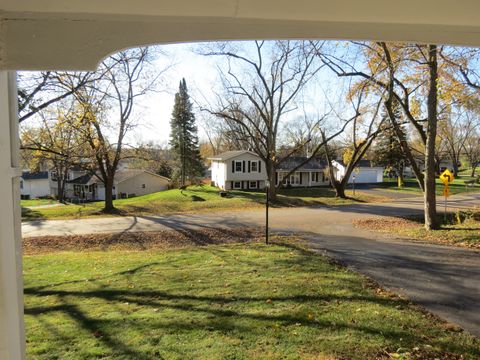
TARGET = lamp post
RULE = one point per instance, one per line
(267, 204)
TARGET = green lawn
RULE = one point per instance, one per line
(411, 186)
(195, 199)
(37, 202)
(240, 301)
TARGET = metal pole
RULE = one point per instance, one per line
(354, 185)
(266, 215)
(445, 212)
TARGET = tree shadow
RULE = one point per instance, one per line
(29, 214)
(208, 312)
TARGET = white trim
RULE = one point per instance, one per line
(241, 166)
(12, 333)
(237, 188)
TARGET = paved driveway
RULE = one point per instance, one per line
(445, 280)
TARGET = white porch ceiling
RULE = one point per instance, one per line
(59, 34)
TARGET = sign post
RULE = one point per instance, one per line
(446, 177)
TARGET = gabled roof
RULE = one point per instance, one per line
(120, 175)
(361, 163)
(81, 180)
(125, 174)
(293, 161)
(231, 154)
(39, 175)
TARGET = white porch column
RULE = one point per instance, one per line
(12, 337)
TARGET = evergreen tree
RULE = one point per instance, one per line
(388, 151)
(184, 138)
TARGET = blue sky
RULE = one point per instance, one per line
(155, 109)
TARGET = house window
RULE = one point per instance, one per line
(53, 175)
(295, 179)
(21, 184)
(238, 166)
(252, 185)
(254, 166)
(237, 184)
(143, 186)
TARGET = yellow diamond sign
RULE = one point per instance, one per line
(446, 177)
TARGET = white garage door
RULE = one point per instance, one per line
(365, 176)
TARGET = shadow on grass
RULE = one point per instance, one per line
(196, 312)
(31, 214)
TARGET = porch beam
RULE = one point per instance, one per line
(12, 337)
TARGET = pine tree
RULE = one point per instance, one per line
(388, 151)
(184, 138)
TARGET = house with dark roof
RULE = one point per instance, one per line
(34, 185)
(312, 173)
(243, 169)
(127, 183)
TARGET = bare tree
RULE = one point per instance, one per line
(106, 108)
(471, 148)
(39, 90)
(260, 86)
(364, 129)
(404, 73)
(454, 131)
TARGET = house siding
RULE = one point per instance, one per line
(225, 174)
(134, 185)
(35, 188)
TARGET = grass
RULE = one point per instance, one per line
(37, 202)
(411, 186)
(194, 199)
(237, 301)
(459, 229)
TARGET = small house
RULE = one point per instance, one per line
(241, 169)
(127, 183)
(34, 185)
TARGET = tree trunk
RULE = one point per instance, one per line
(473, 170)
(339, 189)
(59, 188)
(455, 168)
(430, 210)
(400, 178)
(108, 207)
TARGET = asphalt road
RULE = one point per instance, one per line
(445, 280)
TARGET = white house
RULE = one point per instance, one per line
(34, 185)
(127, 183)
(245, 170)
(241, 169)
(364, 173)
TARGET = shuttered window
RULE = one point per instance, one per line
(238, 166)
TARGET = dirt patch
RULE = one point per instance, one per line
(137, 241)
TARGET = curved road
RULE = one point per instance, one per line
(445, 280)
